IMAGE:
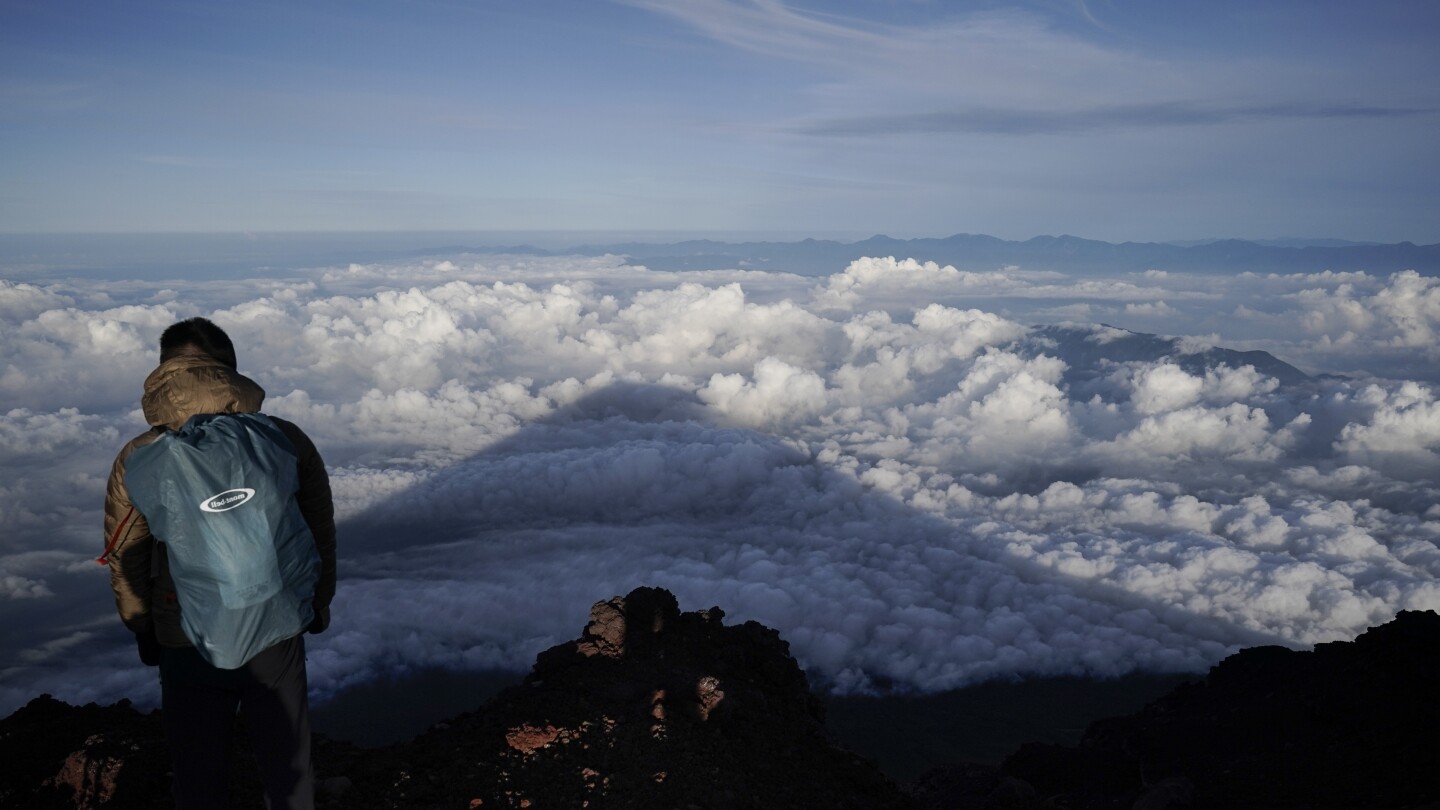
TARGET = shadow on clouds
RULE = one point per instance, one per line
(481, 565)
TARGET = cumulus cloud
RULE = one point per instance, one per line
(1165, 387)
(845, 289)
(20, 301)
(777, 394)
(14, 587)
(1402, 433)
(899, 469)
(35, 437)
(1404, 312)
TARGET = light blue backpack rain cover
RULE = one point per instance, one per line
(220, 494)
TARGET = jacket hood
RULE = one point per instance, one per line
(189, 384)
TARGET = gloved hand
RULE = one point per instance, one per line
(149, 648)
(320, 622)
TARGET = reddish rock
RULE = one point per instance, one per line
(528, 739)
(650, 707)
(90, 776)
(62, 756)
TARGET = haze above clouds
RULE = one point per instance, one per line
(891, 465)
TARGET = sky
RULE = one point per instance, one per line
(892, 465)
(1112, 120)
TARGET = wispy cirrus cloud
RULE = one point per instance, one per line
(1015, 121)
(187, 161)
(21, 97)
(1016, 71)
(983, 55)
(772, 28)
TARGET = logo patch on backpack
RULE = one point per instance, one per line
(227, 500)
(245, 578)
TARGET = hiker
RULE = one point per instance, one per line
(197, 375)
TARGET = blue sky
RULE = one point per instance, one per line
(1112, 120)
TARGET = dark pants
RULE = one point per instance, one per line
(199, 703)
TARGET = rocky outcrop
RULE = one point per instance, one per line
(61, 756)
(1350, 724)
(650, 707)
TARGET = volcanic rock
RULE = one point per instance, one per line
(1351, 724)
(650, 707)
(62, 757)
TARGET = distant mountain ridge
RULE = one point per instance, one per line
(1292, 242)
(979, 252)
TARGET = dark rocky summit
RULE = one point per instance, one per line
(58, 755)
(1351, 724)
(652, 707)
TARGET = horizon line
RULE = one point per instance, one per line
(635, 234)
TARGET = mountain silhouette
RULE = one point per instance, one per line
(1091, 351)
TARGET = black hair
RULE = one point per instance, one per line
(202, 335)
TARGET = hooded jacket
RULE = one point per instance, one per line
(176, 390)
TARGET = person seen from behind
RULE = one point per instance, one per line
(198, 375)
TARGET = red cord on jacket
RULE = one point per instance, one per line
(104, 559)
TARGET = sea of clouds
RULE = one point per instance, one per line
(891, 465)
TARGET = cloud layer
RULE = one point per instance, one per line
(892, 466)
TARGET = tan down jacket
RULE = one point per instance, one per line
(139, 572)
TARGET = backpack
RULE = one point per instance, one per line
(220, 494)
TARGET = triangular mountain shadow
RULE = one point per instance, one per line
(628, 423)
(829, 520)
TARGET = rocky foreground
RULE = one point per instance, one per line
(652, 707)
